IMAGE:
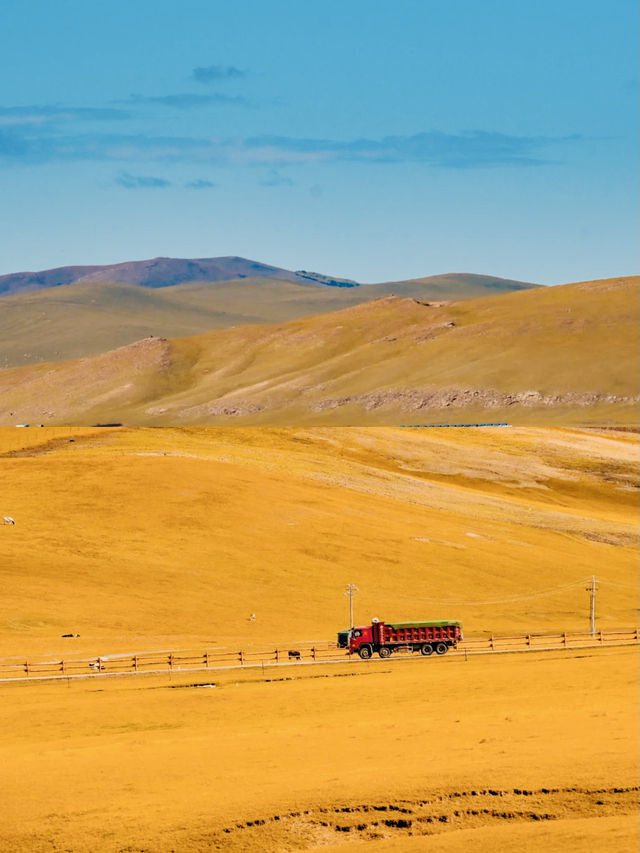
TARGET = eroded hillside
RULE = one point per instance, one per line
(564, 355)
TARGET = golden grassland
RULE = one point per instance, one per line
(143, 539)
(542, 356)
(514, 752)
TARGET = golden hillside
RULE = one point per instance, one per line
(91, 317)
(156, 539)
(564, 355)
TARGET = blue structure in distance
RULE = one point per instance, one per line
(441, 426)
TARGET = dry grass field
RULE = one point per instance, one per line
(558, 355)
(515, 752)
(165, 539)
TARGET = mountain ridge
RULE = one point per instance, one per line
(162, 272)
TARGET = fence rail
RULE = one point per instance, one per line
(193, 660)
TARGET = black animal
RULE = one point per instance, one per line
(293, 655)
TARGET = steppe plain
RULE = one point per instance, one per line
(171, 538)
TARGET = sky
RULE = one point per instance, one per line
(369, 139)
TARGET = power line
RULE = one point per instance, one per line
(540, 594)
(635, 588)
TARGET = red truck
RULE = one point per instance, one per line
(387, 637)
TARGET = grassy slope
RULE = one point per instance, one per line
(132, 764)
(85, 319)
(453, 286)
(370, 364)
(88, 318)
(171, 538)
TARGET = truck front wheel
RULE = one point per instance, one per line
(426, 650)
(385, 652)
(365, 652)
(441, 649)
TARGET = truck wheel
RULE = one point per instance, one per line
(385, 652)
(365, 652)
(441, 649)
(426, 650)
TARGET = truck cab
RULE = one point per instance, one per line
(355, 638)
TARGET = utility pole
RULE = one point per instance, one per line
(592, 604)
(351, 591)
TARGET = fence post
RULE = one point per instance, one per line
(637, 635)
(491, 642)
(206, 659)
(170, 660)
(99, 664)
(277, 656)
(564, 638)
(26, 667)
(135, 662)
(62, 666)
(529, 640)
(601, 637)
(241, 657)
(313, 652)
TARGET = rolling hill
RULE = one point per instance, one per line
(550, 355)
(453, 285)
(90, 317)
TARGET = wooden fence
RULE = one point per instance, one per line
(304, 653)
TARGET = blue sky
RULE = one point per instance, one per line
(368, 139)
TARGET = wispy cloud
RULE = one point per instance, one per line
(199, 184)
(139, 182)
(30, 146)
(468, 150)
(463, 150)
(50, 113)
(216, 73)
(187, 100)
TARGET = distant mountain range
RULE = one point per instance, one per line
(168, 272)
(162, 272)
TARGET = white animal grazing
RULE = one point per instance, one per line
(8, 520)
